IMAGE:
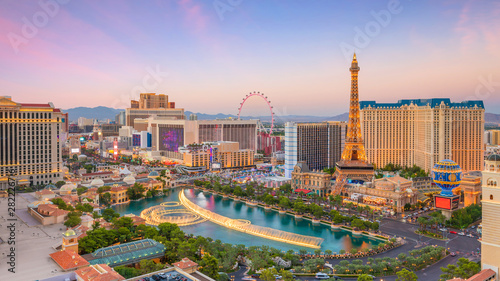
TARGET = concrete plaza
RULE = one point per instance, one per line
(33, 246)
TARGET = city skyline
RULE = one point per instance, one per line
(78, 54)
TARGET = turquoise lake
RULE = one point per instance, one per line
(334, 240)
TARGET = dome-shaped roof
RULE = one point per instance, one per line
(97, 182)
(154, 174)
(493, 157)
(35, 204)
(125, 171)
(86, 218)
(68, 187)
(69, 232)
(129, 180)
(50, 186)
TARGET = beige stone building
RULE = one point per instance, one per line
(168, 135)
(227, 154)
(149, 105)
(424, 131)
(316, 181)
(490, 241)
(495, 137)
(471, 186)
(394, 192)
(29, 142)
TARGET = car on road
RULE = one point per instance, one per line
(453, 232)
(470, 235)
(443, 229)
(453, 254)
(321, 275)
(473, 227)
(461, 233)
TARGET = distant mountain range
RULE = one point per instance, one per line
(277, 119)
(99, 113)
(103, 113)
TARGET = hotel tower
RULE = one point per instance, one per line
(424, 131)
(29, 143)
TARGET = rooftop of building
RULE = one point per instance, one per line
(98, 272)
(68, 259)
(44, 192)
(422, 102)
(483, 275)
(185, 263)
(127, 253)
(51, 210)
(96, 174)
(493, 157)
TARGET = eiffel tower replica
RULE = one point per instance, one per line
(353, 165)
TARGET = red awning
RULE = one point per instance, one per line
(305, 191)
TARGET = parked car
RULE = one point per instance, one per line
(256, 275)
(443, 229)
(470, 235)
(473, 227)
(461, 233)
(453, 232)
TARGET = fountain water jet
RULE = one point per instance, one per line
(246, 226)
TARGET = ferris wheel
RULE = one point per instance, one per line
(261, 95)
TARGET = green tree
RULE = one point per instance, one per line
(250, 191)
(316, 210)
(73, 220)
(147, 266)
(358, 224)
(365, 277)
(170, 231)
(285, 202)
(124, 222)
(127, 272)
(60, 183)
(81, 190)
(269, 274)
(60, 204)
(105, 198)
(406, 275)
(86, 207)
(463, 269)
(109, 214)
(238, 191)
(286, 275)
(136, 191)
(299, 206)
(210, 266)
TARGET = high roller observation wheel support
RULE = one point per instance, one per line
(261, 95)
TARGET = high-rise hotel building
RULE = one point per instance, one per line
(320, 145)
(423, 132)
(149, 105)
(29, 142)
